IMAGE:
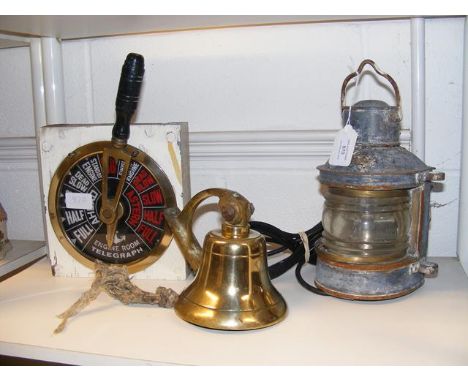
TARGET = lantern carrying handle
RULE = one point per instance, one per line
(378, 71)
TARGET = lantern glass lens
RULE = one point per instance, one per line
(366, 226)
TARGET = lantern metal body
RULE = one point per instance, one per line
(376, 212)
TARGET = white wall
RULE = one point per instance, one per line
(19, 178)
(257, 78)
(444, 90)
(262, 104)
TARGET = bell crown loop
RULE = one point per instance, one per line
(234, 208)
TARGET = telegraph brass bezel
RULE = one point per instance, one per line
(138, 156)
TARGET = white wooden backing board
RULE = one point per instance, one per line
(57, 141)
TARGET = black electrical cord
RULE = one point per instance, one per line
(293, 243)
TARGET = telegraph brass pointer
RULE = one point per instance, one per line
(232, 289)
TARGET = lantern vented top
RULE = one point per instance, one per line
(378, 161)
(376, 122)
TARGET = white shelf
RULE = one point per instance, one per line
(73, 27)
(428, 327)
(22, 252)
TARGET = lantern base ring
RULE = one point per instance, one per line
(355, 284)
(347, 296)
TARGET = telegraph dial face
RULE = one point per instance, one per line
(107, 203)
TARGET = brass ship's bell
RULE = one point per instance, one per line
(232, 289)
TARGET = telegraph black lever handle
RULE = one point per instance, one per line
(127, 96)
